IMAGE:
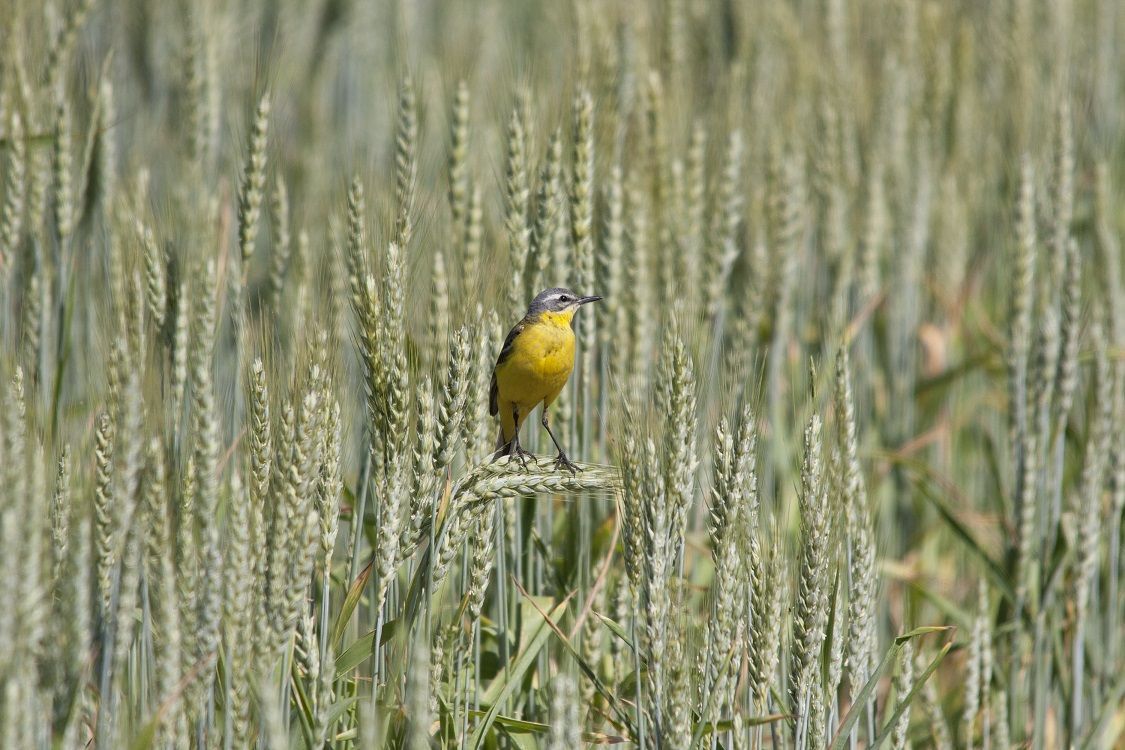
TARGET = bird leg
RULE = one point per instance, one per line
(515, 450)
(562, 462)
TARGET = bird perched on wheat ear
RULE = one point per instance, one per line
(533, 366)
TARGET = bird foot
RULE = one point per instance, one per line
(564, 463)
(517, 453)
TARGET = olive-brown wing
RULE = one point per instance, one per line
(505, 352)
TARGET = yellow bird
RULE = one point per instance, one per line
(533, 366)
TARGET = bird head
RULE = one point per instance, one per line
(558, 301)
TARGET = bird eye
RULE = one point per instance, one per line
(564, 298)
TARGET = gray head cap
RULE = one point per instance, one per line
(551, 299)
(557, 298)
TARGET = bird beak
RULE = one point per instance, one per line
(584, 300)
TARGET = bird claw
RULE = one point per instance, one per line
(562, 462)
(519, 454)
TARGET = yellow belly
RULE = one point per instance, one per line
(535, 372)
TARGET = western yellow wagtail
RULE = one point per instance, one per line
(533, 366)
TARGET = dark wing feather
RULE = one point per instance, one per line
(505, 352)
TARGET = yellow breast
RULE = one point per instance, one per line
(541, 361)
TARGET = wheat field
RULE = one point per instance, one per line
(851, 416)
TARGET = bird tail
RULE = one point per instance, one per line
(502, 445)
